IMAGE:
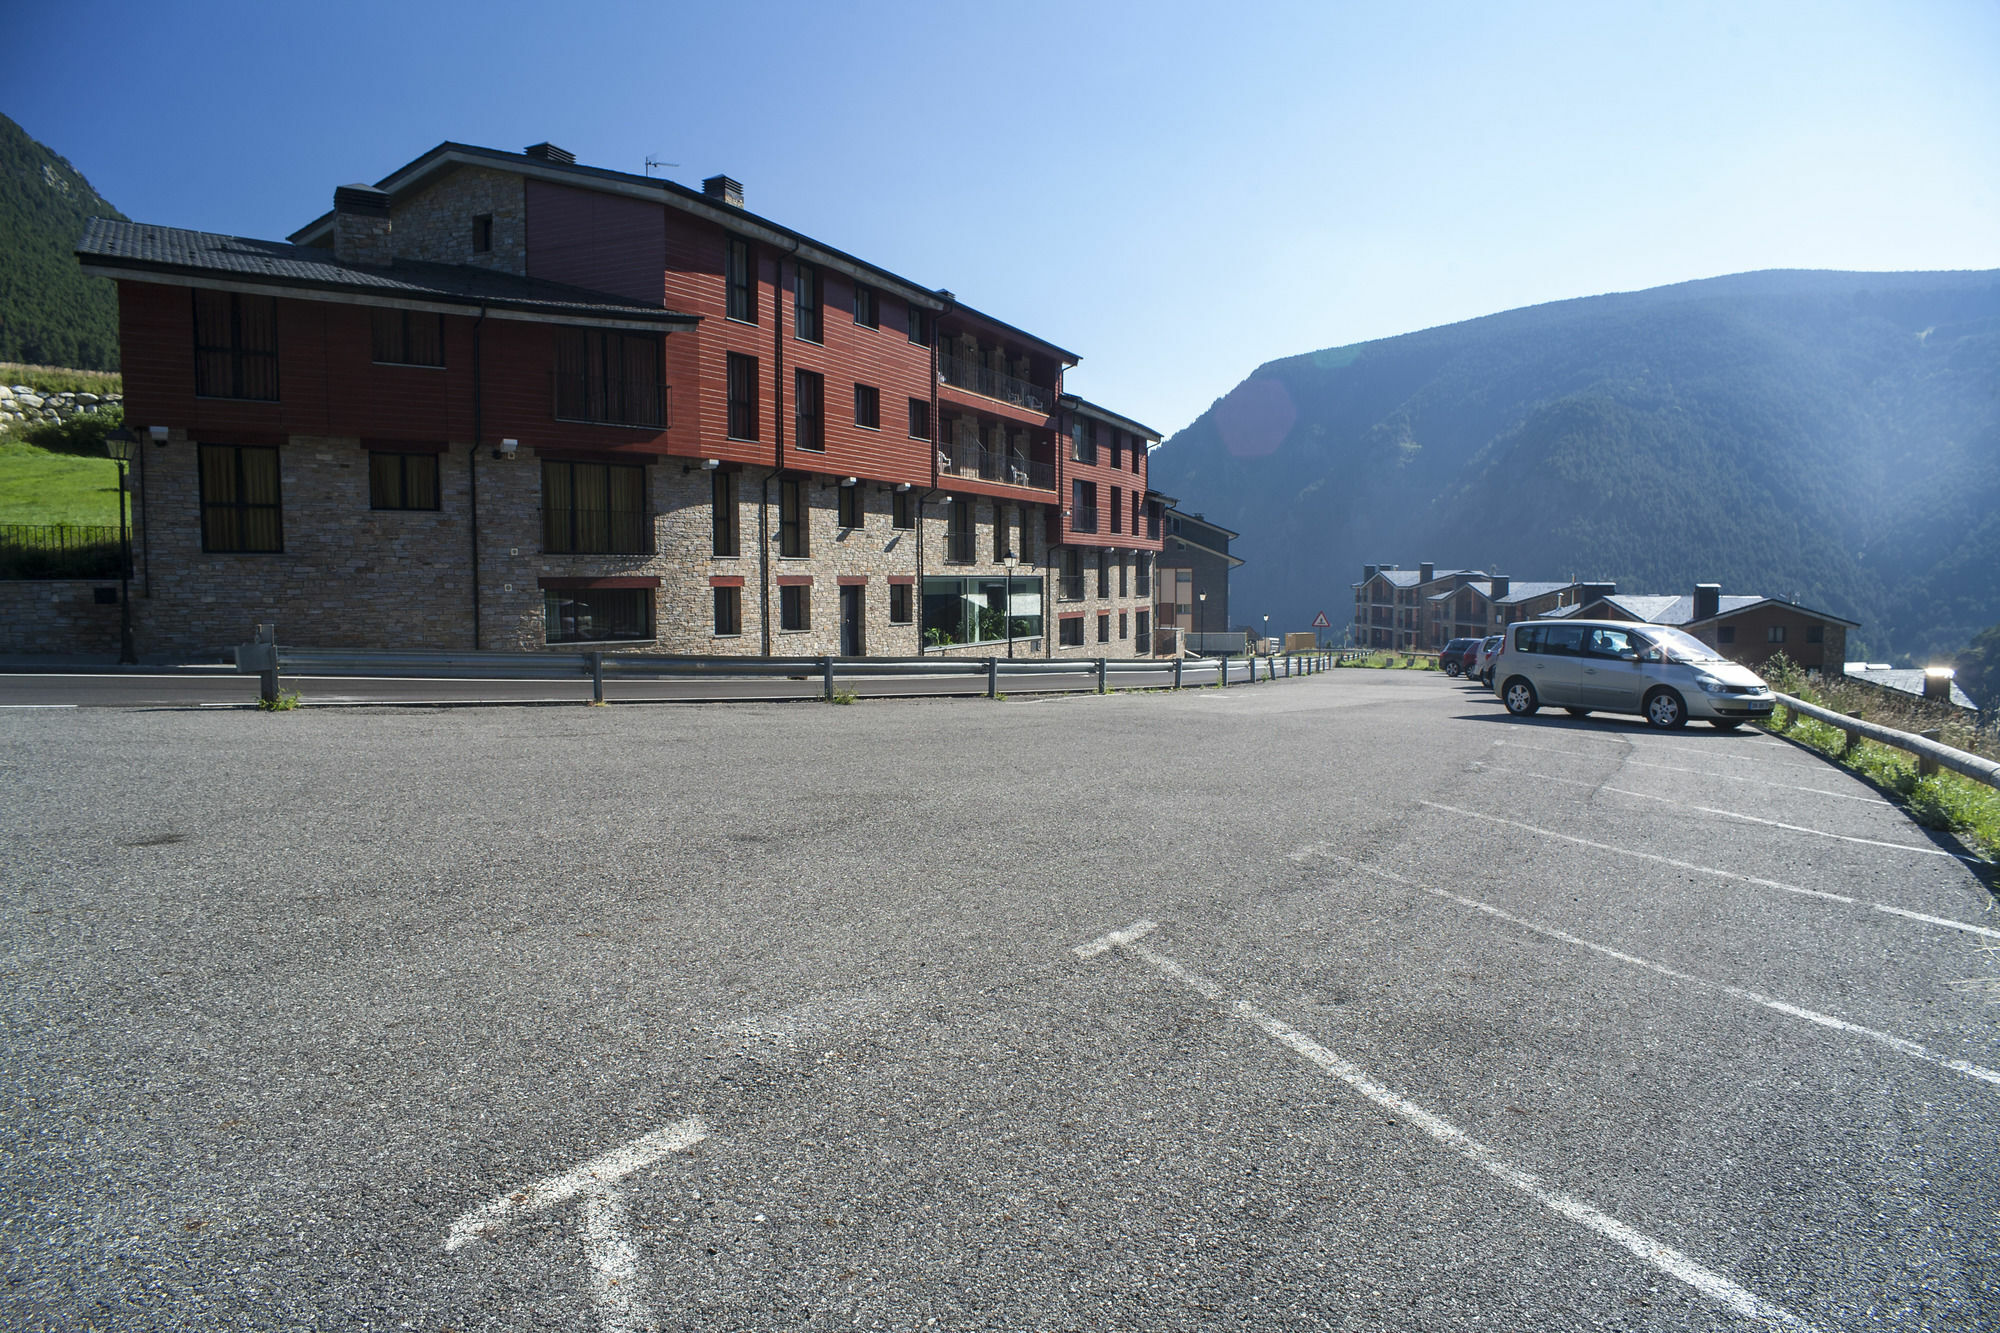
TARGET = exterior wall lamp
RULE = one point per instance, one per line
(507, 449)
(159, 434)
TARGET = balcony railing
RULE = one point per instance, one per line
(597, 532)
(1070, 588)
(1083, 520)
(994, 383)
(974, 460)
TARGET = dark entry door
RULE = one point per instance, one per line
(851, 638)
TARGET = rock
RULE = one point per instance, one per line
(31, 400)
(88, 398)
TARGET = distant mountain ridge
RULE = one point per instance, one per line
(1833, 437)
(50, 313)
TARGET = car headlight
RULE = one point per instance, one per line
(1711, 685)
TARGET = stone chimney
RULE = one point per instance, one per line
(1707, 600)
(361, 226)
(723, 190)
(1937, 683)
(1425, 571)
(1500, 585)
(548, 152)
(1368, 572)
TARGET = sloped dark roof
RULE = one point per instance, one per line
(140, 248)
(1089, 408)
(1660, 609)
(1410, 578)
(1903, 680)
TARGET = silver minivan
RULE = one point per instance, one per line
(1663, 674)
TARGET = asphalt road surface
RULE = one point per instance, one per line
(1344, 1002)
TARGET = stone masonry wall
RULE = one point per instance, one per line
(437, 224)
(21, 405)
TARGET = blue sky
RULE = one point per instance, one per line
(1179, 192)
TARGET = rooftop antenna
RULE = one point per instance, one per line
(652, 162)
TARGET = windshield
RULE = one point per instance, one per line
(1680, 647)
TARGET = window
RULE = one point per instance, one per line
(482, 233)
(1124, 575)
(1143, 629)
(1138, 466)
(899, 603)
(402, 481)
(1069, 632)
(611, 378)
(902, 510)
(1117, 508)
(1117, 451)
(1003, 531)
(1775, 634)
(850, 506)
(1121, 626)
(979, 610)
(595, 508)
(1083, 443)
(722, 511)
(742, 396)
(595, 615)
(1725, 634)
(867, 407)
(808, 411)
(741, 280)
(795, 606)
(1612, 643)
(867, 311)
(1143, 573)
(409, 338)
(805, 303)
(239, 498)
(792, 512)
(958, 531)
(235, 346)
(1104, 573)
(1815, 634)
(728, 611)
(1072, 574)
(1104, 627)
(920, 419)
(920, 326)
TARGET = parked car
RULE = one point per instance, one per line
(1662, 674)
(1481, 664)
(1452, 657)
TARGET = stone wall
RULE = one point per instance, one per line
(437, 224)
(21, 405)
(62, 616)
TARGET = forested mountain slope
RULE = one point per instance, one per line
(50, 313)
(1829, 436)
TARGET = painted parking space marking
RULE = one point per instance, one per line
(1320, 851)
(1630, 762)
(1726, 814)
(1655, 1253)
(617, 1289)
(1718, 872)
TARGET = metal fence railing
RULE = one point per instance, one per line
(265, 659)
(58, 551)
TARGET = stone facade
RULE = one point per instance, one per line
(437, 224)
(61, 615)
(22, 405)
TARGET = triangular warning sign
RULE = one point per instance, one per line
(1321, 622)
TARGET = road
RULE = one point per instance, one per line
(1346, 1002)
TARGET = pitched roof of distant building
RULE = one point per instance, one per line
(1105, 414)
(1903, 680)
(1525, 592)
(1410, 578)
(1670, 610)
(137, 249)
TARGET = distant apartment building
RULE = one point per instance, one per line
(503, 400)
(1746, 629)
(1482, 606)
(1393, 606)
(1195, 563)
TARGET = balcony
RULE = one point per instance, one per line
(966, 459)
(1083, 520)
(999, 384)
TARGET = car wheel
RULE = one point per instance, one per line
(1451, 669)
(1725, 723)
(1577, 712)
(1665, 711)
(1519, 696)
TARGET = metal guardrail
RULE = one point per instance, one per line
(265, 659)
(1931, 753)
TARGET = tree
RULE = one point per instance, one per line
(1979, 667)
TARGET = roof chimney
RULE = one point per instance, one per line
(1937, 683)
(548, 152)
(1367, 572)
(361, 226)
(1707, 600)
(1590, 592)
(1424, 571)
(1500, 585)
(724, 189)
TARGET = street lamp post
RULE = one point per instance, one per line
(1201, 619)
(121, 444)
(1010, 562)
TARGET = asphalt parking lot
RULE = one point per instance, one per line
(1343, 1002)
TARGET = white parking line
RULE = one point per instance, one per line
(614, 1263)
(1659, 1255)
(1701, 773)
(1727, 814)
(1911, 1048)
(37, 705)
(1724, 874)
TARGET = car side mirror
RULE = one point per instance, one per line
(1628, 655)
